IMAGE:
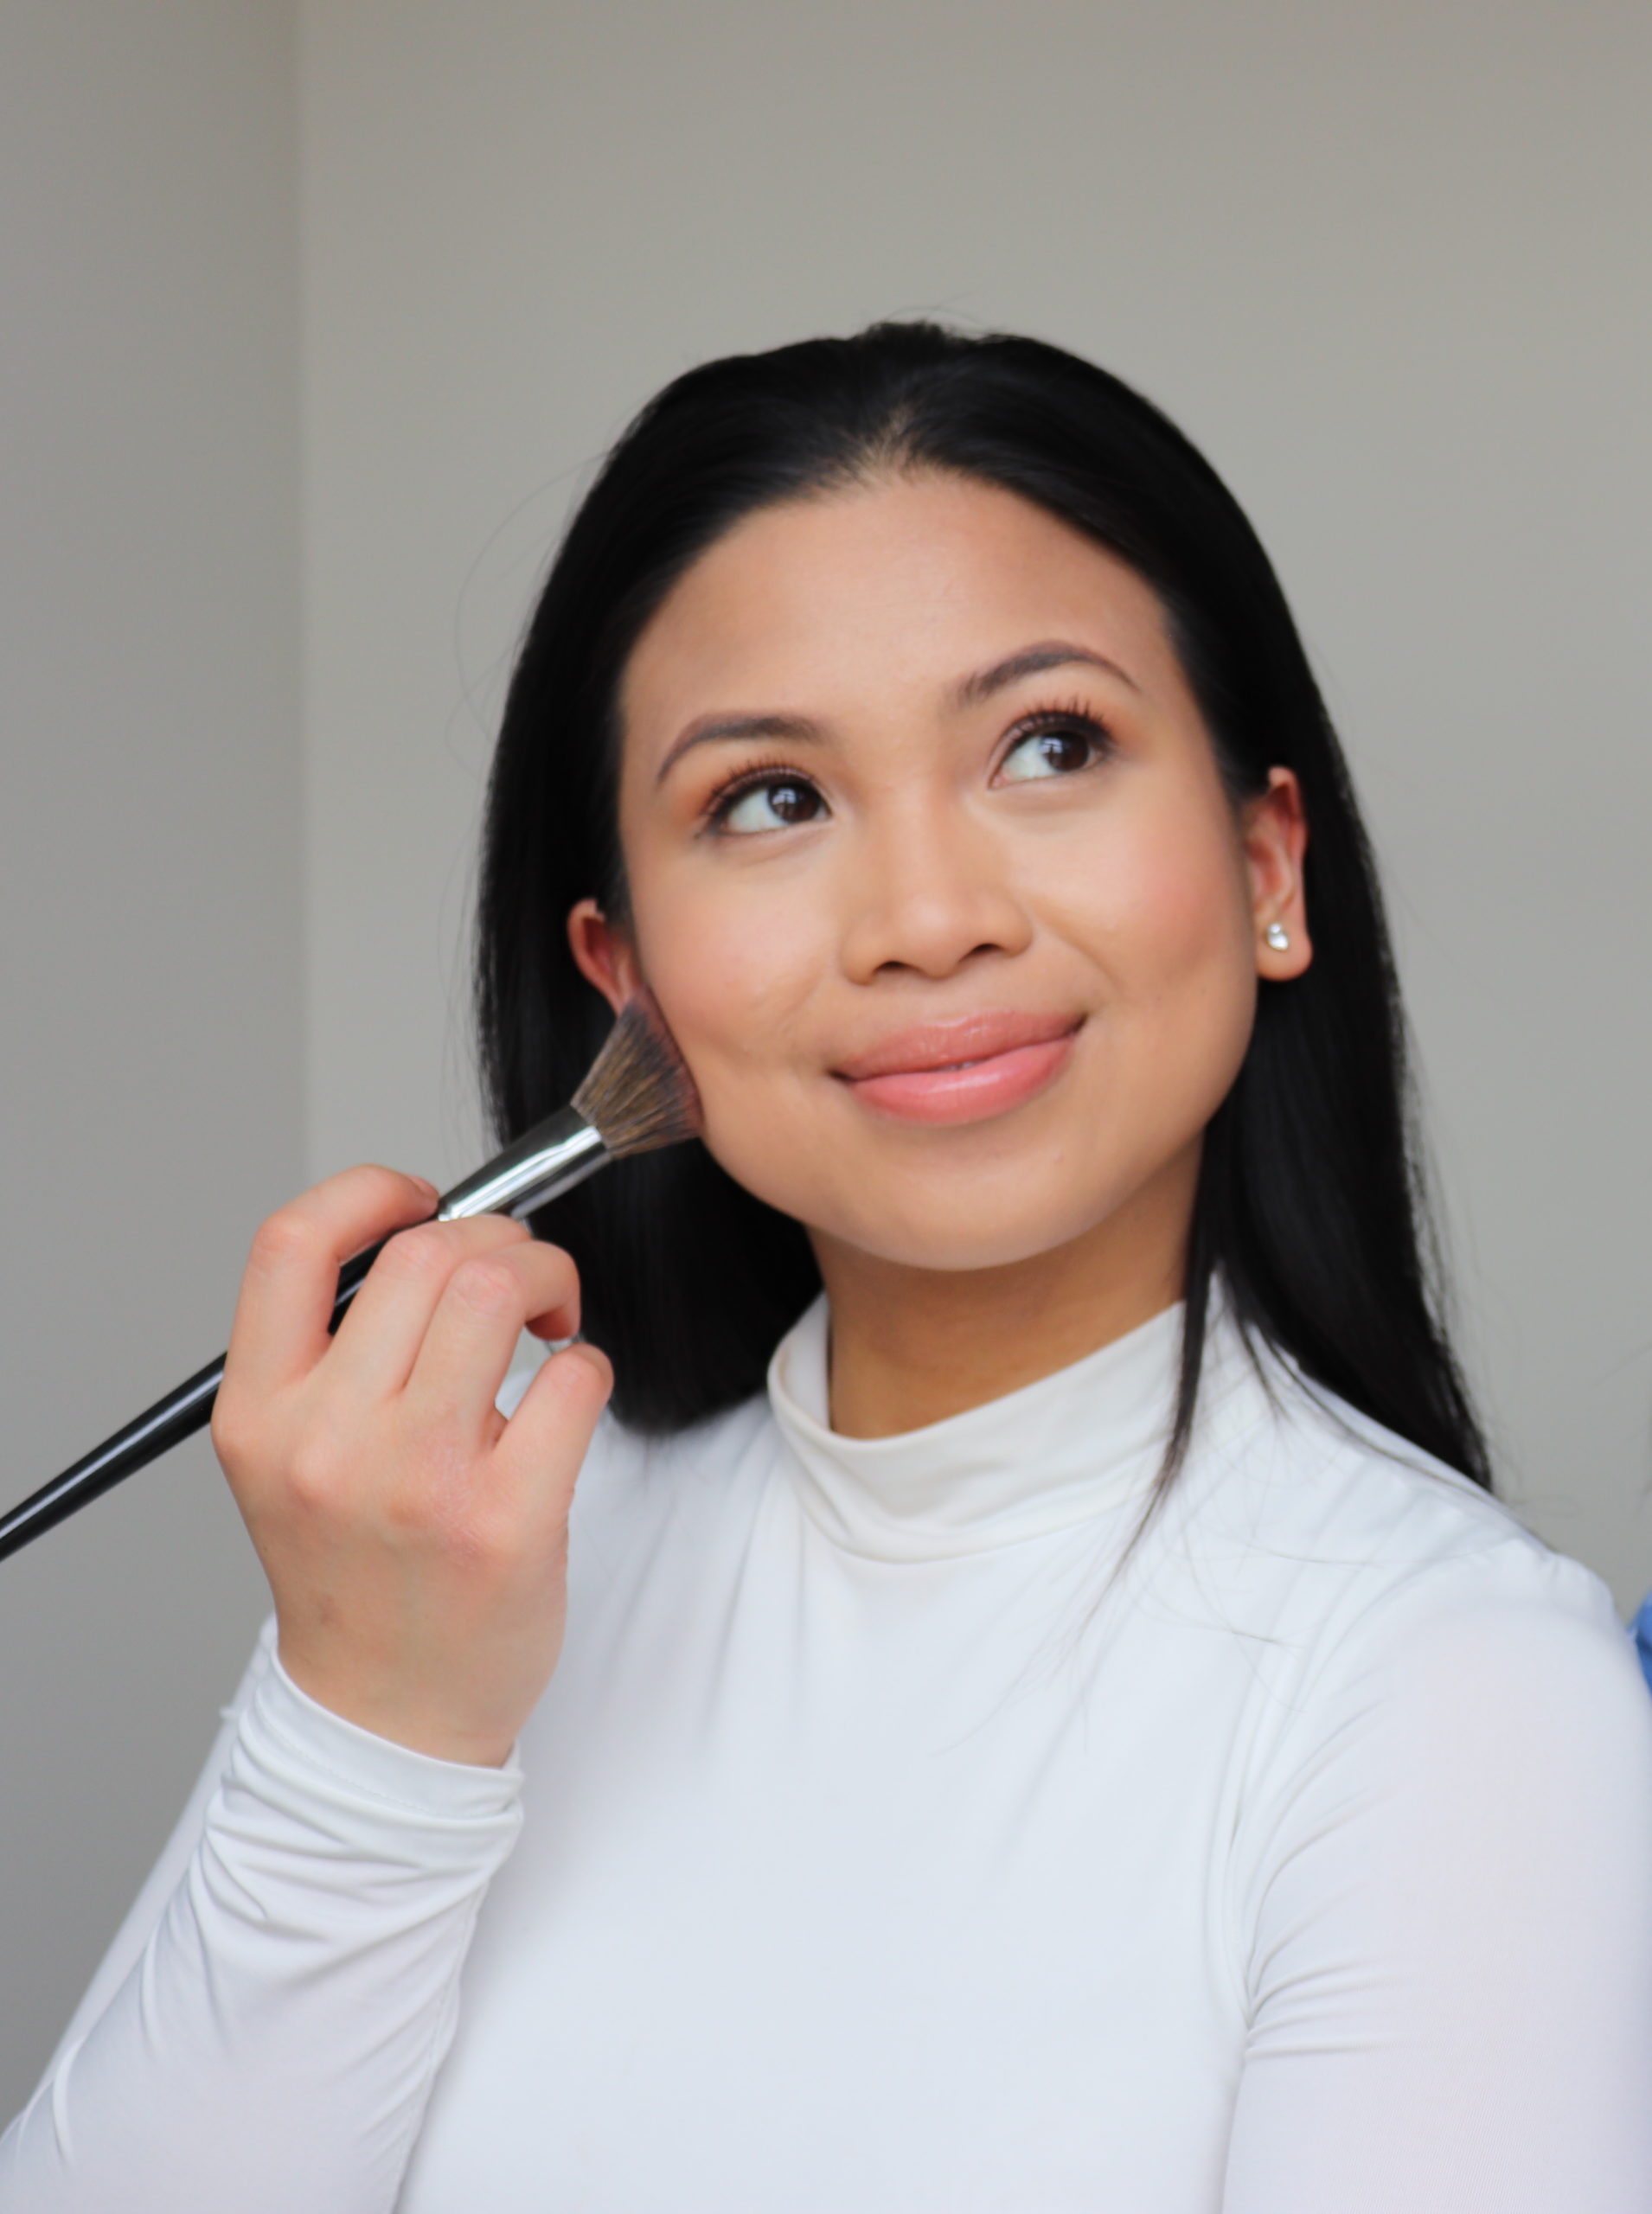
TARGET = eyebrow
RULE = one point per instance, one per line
(1053, 653)
(970, 692)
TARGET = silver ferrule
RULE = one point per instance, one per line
(545, 1161)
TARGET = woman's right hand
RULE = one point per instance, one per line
(416, 1542)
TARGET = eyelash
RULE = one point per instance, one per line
(1033, 724)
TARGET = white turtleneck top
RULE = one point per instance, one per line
(871, 1852)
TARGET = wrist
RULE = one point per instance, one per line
(424, 1725)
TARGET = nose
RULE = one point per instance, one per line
(931, 891)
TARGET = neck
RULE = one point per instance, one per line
(911, 1346)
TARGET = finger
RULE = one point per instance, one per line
(291, 1281)
(378, 1341)
(477, 1326)
(543, 1445)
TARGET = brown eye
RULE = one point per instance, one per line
(1049, 754)
(775, 804)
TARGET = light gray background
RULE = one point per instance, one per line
(316, 319)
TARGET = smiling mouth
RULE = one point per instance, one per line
(971, 1089)
(963, 1041)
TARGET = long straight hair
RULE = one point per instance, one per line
(1310, 1211)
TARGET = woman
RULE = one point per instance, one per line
(1046, 1714)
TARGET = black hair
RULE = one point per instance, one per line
(1310, 1210)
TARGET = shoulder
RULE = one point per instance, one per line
(1340, 1537)
(1417, 1656)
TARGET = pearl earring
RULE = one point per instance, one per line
(1279, 936)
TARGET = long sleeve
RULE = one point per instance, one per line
(1452, 1982)
(267, 2026)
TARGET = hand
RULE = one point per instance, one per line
(416, 1542)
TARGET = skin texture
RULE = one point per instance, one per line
(916, 856)
(931, 880)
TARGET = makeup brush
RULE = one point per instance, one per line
(637, 1094)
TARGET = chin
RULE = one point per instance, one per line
(952, 1235)
(994, 1199)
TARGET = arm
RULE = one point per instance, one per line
(1451, 1901)
(265, 2034)
(266, 2028)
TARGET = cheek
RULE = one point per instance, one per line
(1162, 903)
(733, 976)
(1190, 922)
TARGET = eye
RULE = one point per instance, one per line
(1056, 746)
(765, 802)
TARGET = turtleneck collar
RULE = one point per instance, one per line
(1058, 1452)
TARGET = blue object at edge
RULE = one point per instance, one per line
(1641, 1629)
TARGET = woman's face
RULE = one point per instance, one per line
(933, 876)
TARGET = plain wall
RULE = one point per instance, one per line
(149, 872)
(1386, 265)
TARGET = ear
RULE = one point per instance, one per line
(603, 953)
(1274, 830)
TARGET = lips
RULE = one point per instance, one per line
(952, 1045)
(962, 1072)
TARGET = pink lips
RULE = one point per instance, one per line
(961, 1071)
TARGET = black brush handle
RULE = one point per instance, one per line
(552, 1157)
(159, 1428)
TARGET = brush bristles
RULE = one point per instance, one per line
(638, 1093)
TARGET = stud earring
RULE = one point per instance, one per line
(1278, 936)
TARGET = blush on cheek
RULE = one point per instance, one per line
(1154, 905)
(1180, 883)
(1196, 928)
(760, 1092)
(1168, 923)
(731, 998)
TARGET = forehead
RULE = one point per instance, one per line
(896, 586)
